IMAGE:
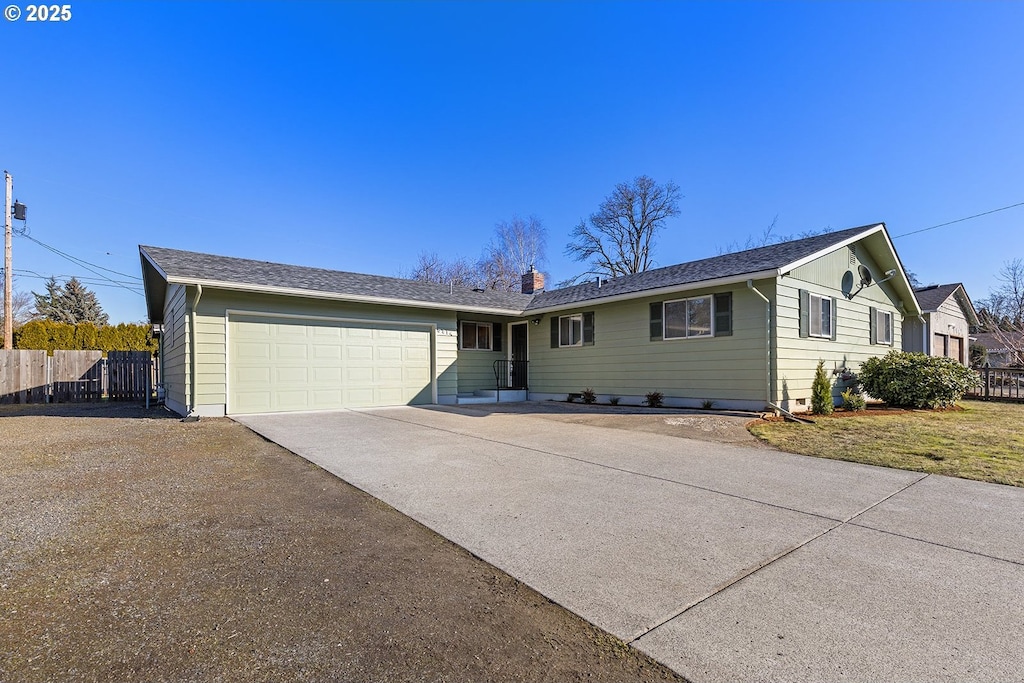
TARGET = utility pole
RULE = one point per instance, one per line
(8, 282)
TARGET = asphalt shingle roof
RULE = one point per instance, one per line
(191, 266)
(727, 265)
(932, 297)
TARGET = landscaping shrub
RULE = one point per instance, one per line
(50, 335)
(853, 400)
(588, 395)
(914, 380)
(613, 400)
(821, 392)
(707, 404)
(654, 399)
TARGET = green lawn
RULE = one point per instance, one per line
(984, 441)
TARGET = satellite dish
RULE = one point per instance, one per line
(865, 275)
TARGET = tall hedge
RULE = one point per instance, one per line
(914, 380)
(50, 335)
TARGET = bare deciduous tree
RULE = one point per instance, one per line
(1002, 313)
(459, 272)
(618, 239)
(21, 309)
(518, 244)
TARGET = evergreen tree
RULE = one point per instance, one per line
(73, 303)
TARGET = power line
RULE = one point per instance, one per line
(86, 265)
(84, 279)
(960, 220)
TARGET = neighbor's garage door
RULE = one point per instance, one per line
(277, 364)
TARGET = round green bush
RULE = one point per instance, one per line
(914, 380)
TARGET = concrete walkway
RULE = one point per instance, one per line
(726, 563)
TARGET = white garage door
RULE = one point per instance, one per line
(279, 364)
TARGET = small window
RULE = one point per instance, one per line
(475, 336)
(570, 330)
(688, 318)
(820, 316)
(883, 327)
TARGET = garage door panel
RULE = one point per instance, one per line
(284, 365)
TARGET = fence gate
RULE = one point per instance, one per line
(76, 376)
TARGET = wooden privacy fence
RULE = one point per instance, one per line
(1000, 383)
(76, 376)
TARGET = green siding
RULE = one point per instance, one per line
(476, 368)
(174, 349)
(797, 357)
(624, 361)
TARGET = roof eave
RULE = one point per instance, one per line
(671, 289)
(337, 296)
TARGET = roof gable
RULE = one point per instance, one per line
(933, 296)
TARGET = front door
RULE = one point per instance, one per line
(518, 349)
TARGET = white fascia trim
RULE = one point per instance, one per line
(672, 289)
(357, 298)
(838, 245)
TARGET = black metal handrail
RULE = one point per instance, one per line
(510, 374)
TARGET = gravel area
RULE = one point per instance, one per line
(134, 546)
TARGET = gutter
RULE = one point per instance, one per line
(192, 354)
(767, 343)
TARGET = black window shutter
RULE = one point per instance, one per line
(835, 318)
(496, 329)
(554, 331)
(657, 328)
(873, 312)
(805, 313)
(723, 314)
(588, 329)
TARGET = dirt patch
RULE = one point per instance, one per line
(137, 547)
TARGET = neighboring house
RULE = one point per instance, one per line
(999, 353)
(743, 330)
(943, 329)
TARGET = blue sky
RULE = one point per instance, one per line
(356, 135)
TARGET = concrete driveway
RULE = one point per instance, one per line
(724, 562)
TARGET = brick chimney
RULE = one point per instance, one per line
(533, 281)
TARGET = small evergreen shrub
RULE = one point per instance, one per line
(821, 392)
(654, 399)
(613, 400)
(853, 400)
(707, 404)
(914, 380)
(588, 396)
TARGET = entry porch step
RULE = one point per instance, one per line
(491, 396)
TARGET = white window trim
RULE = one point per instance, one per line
(578, 342)
(880, 328)
(815, 314)
(490, 336)
(664, 318)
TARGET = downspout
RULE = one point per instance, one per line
(192, 353)
(767, 342)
